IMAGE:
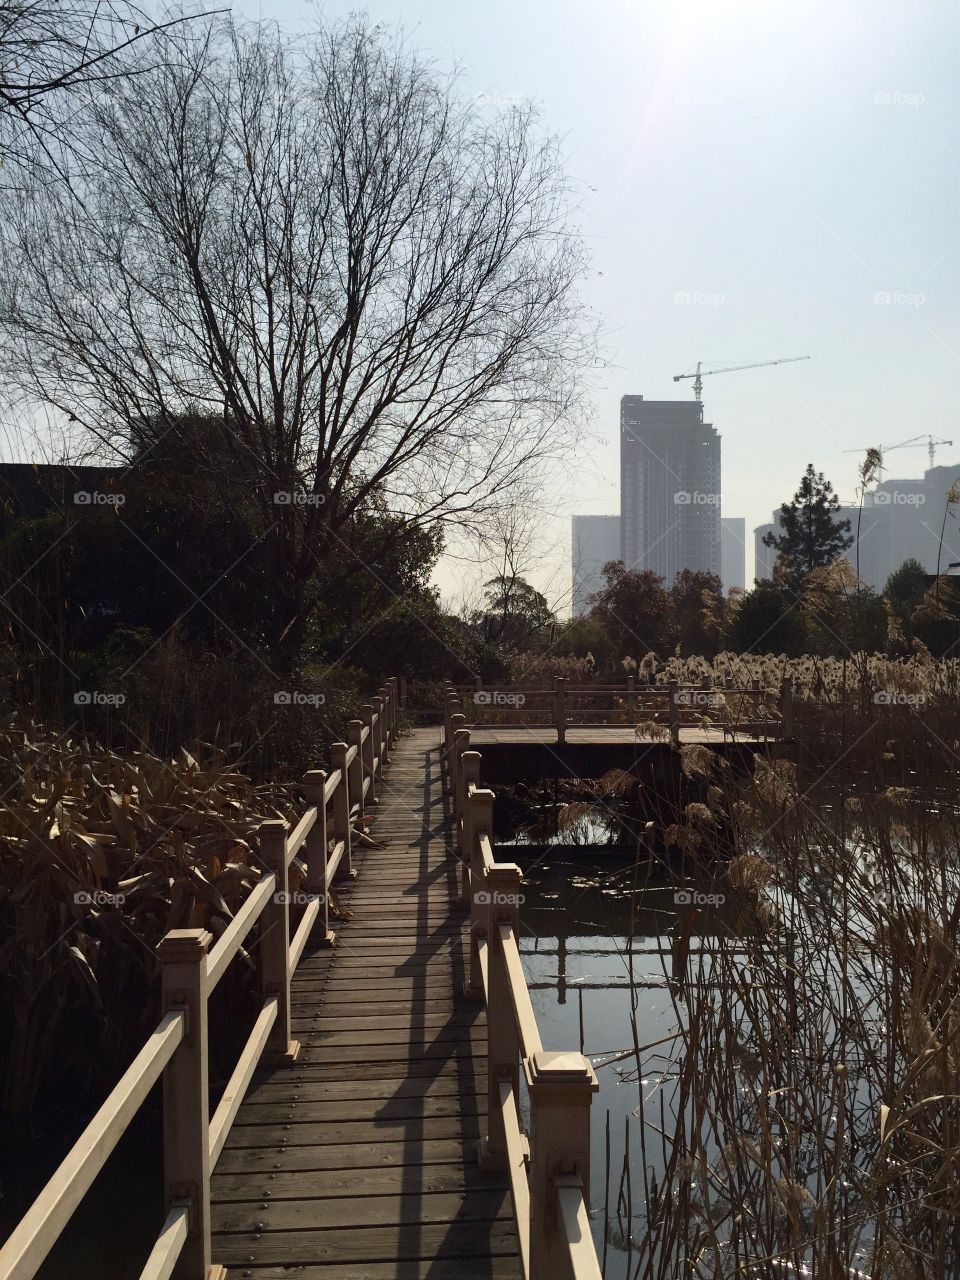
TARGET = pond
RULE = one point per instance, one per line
(600, 952)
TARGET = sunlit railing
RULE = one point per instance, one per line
(177, 1051)
(730, 708)
(549, 1168)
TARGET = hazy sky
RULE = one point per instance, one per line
(782, 162)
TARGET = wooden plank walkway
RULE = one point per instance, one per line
(359, 1161)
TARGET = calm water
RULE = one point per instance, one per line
(586, 931)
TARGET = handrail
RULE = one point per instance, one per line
(576, 1229)
(300, 832)
(486, 851)
(517, 1170)
(239, 1082)
(559, 1085)
(524, 1016)
(173, 1236)
(177, 1050)
(304, 929)
(572, 706)
(37, 1231)
(230, 941)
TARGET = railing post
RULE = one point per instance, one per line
(674, 712)
(786, 707)
(560, 708)
(275, 941)
(461, 743)
(384, 695)
(470, 767)
(355, 768)
(366, 716)
(452, 712)
(481, 824)
(631, 700)
(503, 1036)
(315, 848)
(186, 1113)
(378, 733)
(341, 800)
(561, 1087)
(457, 722)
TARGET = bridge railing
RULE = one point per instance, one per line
(732, 708)
(177, 1051)
(549, 1169)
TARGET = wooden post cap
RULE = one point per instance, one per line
(566, 1070)
(184, 946)
(503, 875)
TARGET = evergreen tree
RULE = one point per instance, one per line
(811, 537)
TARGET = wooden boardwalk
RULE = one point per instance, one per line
(613, 734)
(358, 1162)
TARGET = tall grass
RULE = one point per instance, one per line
(808, 1122)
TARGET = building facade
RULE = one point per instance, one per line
(669, 487)
(901, 520)
(595, 540)
(733, 552)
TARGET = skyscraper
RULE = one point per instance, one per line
(733, 548)
(669, 487)
(595, 540)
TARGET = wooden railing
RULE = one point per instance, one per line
(549, 1169)
(177, 1051)
(734, 709)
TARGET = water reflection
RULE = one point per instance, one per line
(607, 948)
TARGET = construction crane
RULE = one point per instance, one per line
(913, 443)
(700, 373)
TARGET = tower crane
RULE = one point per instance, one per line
(913, 443)
(700, 373)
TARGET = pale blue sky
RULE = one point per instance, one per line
(787, 160)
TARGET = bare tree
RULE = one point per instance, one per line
(53, 50)
(369, 286)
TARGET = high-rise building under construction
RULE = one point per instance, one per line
(669, 487)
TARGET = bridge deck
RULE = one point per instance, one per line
(607, 735)
(358, 1162)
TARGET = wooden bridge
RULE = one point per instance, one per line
(371, 1127)
(710, 713)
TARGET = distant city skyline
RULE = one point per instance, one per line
(753, 181)
(902, 519)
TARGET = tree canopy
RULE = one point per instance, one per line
(811, 536)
